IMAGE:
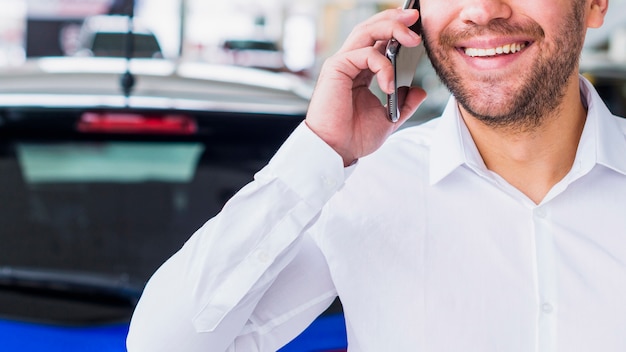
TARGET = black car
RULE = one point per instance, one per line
(101, 181)
(608, 77)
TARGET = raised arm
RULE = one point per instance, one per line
(252, 278)
(344, 112)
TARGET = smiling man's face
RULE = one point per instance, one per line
(507, 62)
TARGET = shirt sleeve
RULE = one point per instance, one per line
(251, 278)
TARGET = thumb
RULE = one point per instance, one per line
(414, 97)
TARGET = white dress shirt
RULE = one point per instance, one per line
(427, 249)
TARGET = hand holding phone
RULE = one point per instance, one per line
(404, 61)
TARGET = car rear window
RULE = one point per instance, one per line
(112, 205)
(114, 45)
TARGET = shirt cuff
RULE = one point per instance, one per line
(308, 166)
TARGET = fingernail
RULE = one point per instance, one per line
(414, 35)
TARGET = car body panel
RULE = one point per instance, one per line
(35, 337)
(325, 334)
(159, 84)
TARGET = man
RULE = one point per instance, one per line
(498, 227)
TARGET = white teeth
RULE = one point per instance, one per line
(505, 49)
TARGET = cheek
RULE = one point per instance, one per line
(436, 14)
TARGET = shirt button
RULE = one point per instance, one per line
(541, 213)
(547, 308)
(329, 182)
(263, 256)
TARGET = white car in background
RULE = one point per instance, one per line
(106, 36)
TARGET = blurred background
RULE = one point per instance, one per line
(299, 32)
(303, 32)
(279, 35)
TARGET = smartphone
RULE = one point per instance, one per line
(404, 61)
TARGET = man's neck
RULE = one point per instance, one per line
(533, 160)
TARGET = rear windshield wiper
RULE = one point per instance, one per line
(71, 285)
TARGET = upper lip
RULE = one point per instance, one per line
(492, 43)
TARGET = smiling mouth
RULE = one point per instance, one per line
(500, 50)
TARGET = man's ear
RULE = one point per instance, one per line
(596, 11)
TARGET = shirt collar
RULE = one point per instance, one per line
(602, 141)
(452, 144)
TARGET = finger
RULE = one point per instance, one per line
(353, 63)
(382, 27)
(415, 96)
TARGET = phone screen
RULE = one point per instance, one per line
(404, 61)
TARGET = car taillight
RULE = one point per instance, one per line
(114, 122)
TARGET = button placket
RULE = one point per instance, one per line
(546, 279)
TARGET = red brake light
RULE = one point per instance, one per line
(107, 122)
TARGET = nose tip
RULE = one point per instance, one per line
(482, 12)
